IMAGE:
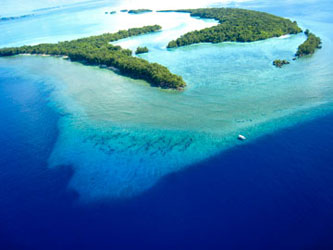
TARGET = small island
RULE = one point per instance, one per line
(235, 25)
(309, 46)
(139, 11)
(141, 50)
(279, 63)
(97, 50)
(124, 11)
(113, 12)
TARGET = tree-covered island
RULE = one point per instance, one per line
(279, 63)
(235, 25)
(139, 11)
(141, 50)
(97, 50)
(309, 46)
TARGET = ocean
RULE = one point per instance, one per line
(93, 160)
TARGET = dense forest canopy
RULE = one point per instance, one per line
(141, 50)
(237, 25)
(97, 50)
(309, 46)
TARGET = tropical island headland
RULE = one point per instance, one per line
(97, 50)
(235, 25)
(310, 45)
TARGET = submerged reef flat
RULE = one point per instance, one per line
(236, 25)
(97, 50)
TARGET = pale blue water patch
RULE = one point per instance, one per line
(13, 8)
(21, 7)
(69, 24)
(121, 136)
(173, 26)
(304, 10)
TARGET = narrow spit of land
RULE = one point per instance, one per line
(97, 50)
(310, 45)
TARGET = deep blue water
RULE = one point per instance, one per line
(274, 193)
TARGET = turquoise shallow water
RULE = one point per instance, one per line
(121, 136)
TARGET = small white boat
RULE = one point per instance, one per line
(241, 137)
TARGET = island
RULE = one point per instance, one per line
(97, 50)
(139, 11)
(235, 25)
(141, 50)
(124, 11)
(113, 12)
(309, 46)
(279, 63)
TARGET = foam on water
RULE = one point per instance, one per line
(121, 136)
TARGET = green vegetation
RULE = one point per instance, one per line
(141, 50)
(279, 63)
(97, 50)
(139, 11)
(123, 10)
(309, 46)
(237, 25)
